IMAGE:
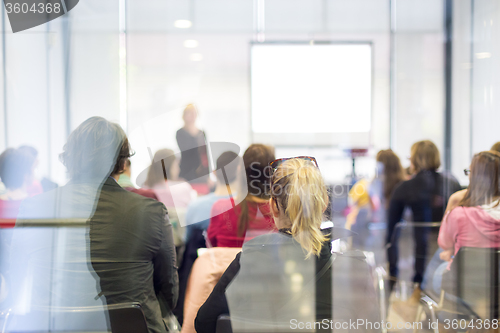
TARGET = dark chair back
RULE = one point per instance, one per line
(127, 318)
(64, 294)
(474, 279)
(223, 324)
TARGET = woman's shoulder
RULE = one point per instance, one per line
(268, 241)
(458, 212)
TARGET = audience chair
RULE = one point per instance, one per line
(473, 284)
(123, 317)
(63, 293)
(223, 324)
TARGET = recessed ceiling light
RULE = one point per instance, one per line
(196, 57)
(190, 43)
(483, 55)
(183, 24)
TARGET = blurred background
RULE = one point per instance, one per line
(434, 75)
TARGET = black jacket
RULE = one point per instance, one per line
(426, 195)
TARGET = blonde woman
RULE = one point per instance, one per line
(280, 280)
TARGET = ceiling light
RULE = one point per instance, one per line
(183, 24)
(483, 55)
(196, 57)
(190, 43)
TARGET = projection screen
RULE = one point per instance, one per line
(304, 94)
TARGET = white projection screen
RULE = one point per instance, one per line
(319, 94)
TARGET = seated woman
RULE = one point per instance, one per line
(476, 220)
(163, 179)
(370, 200)
(458, 196)
(231, 223)
(284, 281)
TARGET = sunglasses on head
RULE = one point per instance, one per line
(276, 163)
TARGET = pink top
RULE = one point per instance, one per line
(174, 194)
(472, 227)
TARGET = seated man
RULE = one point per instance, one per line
(124, 251)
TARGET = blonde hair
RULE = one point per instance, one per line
(301, 195)
(425, 156)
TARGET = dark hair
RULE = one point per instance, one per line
(223, 161)
(393, 172)
(484, 183)
(96, 149)
(425, 156)
(160, 169)
(496, 147)
(256, 160)
(14, 168)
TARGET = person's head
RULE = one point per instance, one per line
(484, 184)
(256, 160)
(31, 154)
(127, 168)
(15, 168)
(496, 147)
(95, 150)
(225, 161)
(298, 200)
(189, 114)
(392, 172)
(424, 156)
(164, 167)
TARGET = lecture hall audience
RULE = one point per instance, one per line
(278, 208)
(231, 224)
